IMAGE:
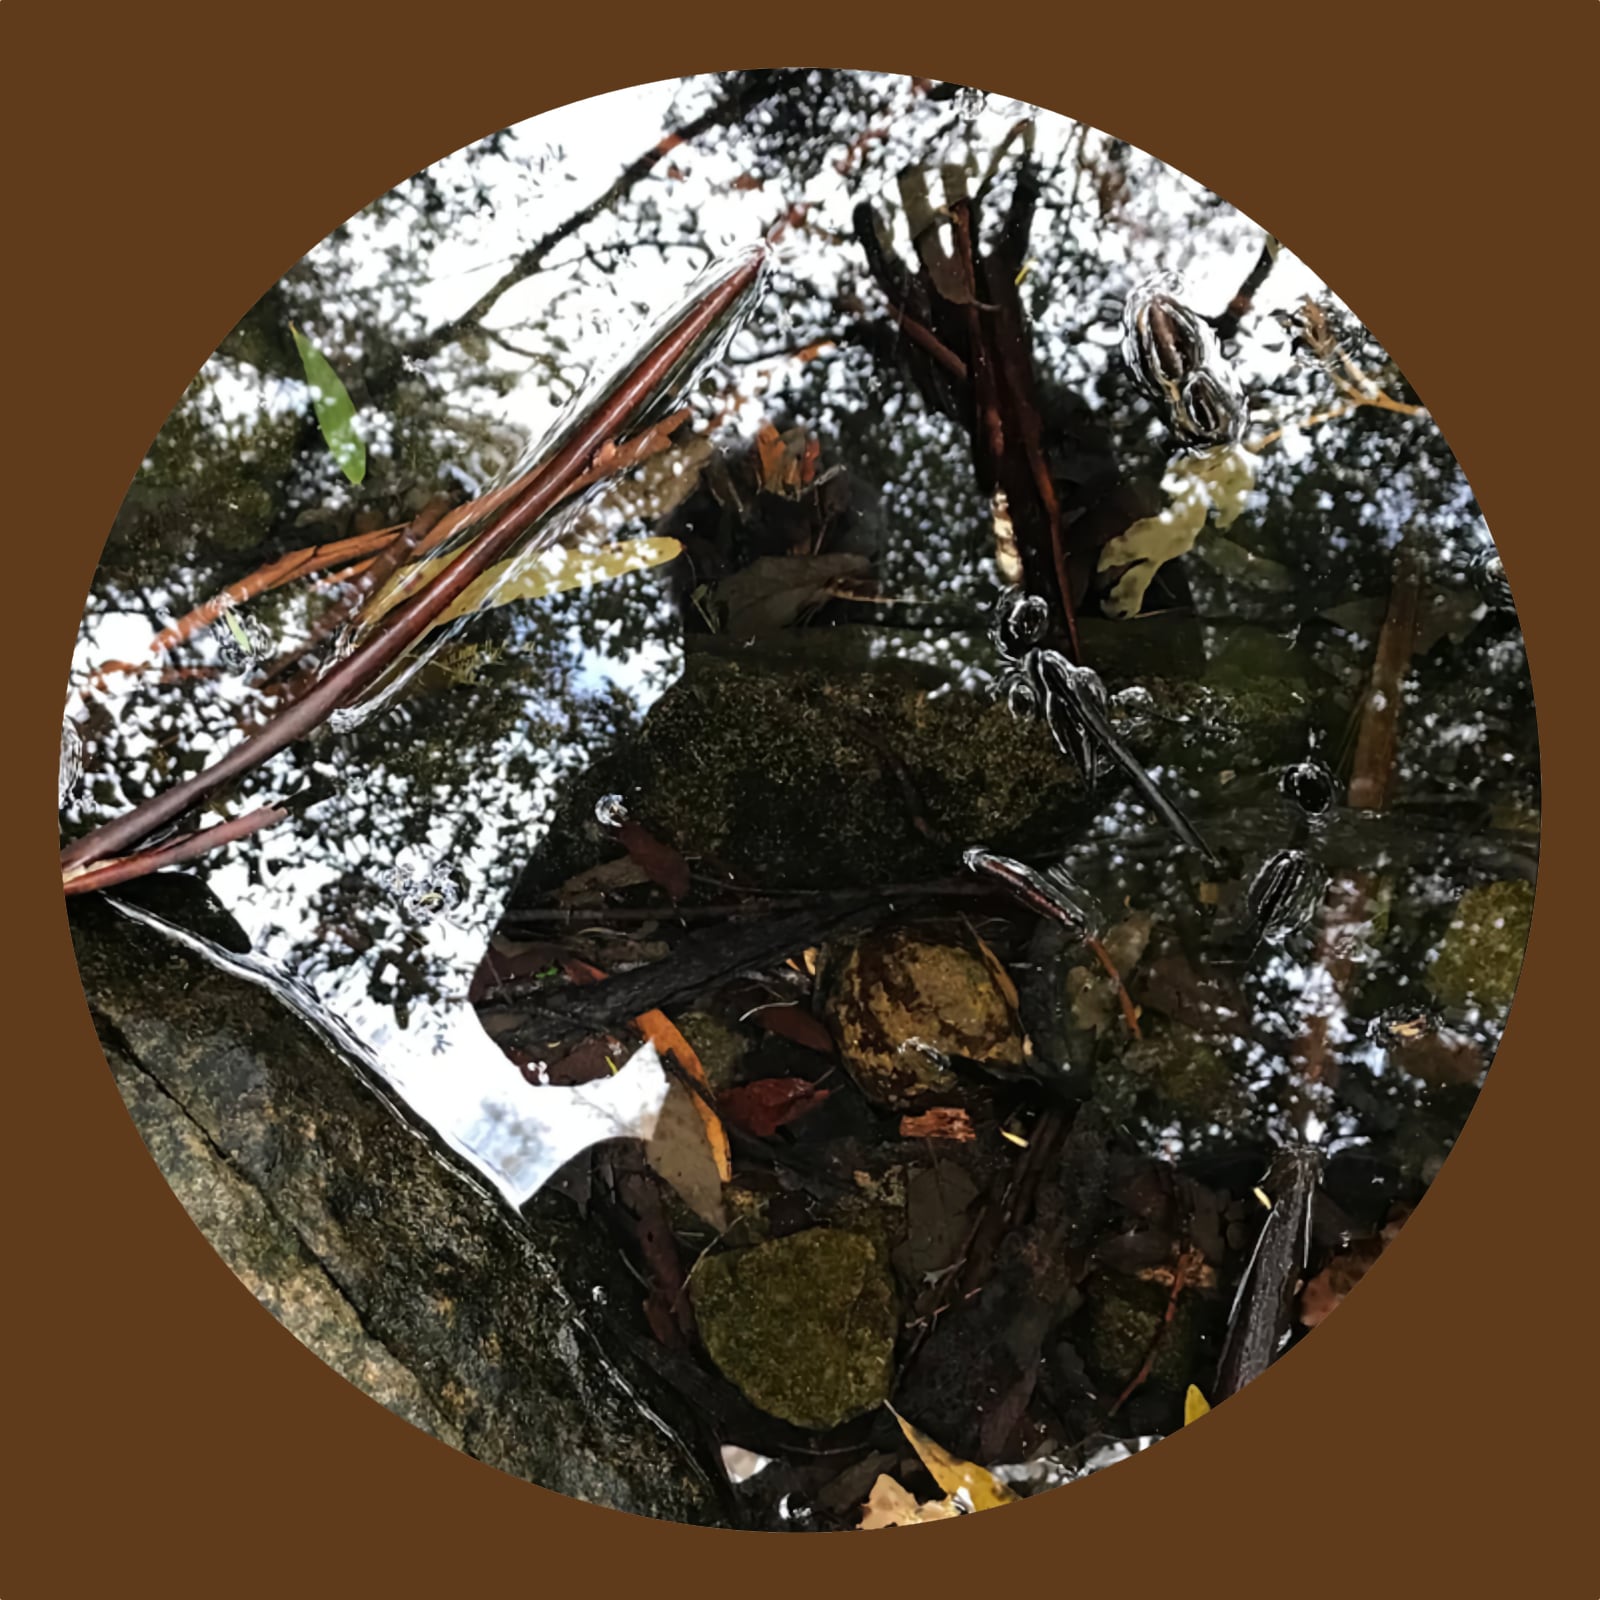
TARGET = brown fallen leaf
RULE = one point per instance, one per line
(797, 1025)
(679, 1153)
(942, 1122)
(890, 1506)
(659, 1030)
(1326, 1292)
(764, 1106)
(661, 862)
(997, 970)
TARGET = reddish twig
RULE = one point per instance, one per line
(536, 494)
(1186, 1262)
(941, 352)
(106, 873)
(1130, 1012)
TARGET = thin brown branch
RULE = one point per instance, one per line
(103, 875)
(535, 494)
(532, 259)
(1130, 1012)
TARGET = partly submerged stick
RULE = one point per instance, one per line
(544, 488)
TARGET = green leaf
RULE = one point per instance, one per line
(336, 413)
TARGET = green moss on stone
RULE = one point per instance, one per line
(1481, 953)
(803, 1325)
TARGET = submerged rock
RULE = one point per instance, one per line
(1480, 957)
(902, 1002)
(488, 1329)
(803, 1325)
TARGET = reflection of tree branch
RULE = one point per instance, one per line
(1227, 325)
(1357, 387)
(532, 260)
(1349, 901)
(587, 447)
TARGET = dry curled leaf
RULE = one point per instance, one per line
(656, 1027)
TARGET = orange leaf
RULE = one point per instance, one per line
(770, 451)
(655, 1026)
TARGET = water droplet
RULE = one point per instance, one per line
(71, 760)
(1309, 784)
(1285, 894)
(424, 894)
(1173, 355)
(611, 811)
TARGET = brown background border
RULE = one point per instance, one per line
(165, 163)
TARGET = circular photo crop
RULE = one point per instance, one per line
(800, 800)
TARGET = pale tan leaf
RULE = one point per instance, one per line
(890, 1506)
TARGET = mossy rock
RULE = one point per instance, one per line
(902, 1001)
(845, 766)
(804, 1325)
(1123, 1317)
(1480, 957)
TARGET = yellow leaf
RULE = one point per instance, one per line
(953, 1475)
(1195, 1406)
(890, 1506)
(536, 576)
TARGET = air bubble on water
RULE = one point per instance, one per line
(970, 102)
(241, 640)
(71, 760)
(424, 894)
(611, 811)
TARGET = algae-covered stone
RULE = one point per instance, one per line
(833, 757)
(902, 1001)
(1123, 1318)
(803, 1325)
(720, 1048)
(1481, 953)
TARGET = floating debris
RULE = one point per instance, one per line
(971, 102)
(611, 811)
(71, 760)
(1285, 894)
(1309, 784)
(1173, 355)
(1489, 579)
(242, 640)
(1053, 892)
(427, 894)
(1074, 704)
(1399, 1025)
